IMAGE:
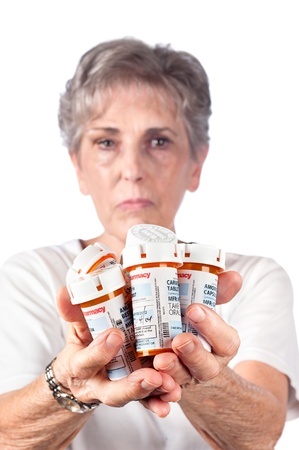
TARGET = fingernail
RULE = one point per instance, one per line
(186, 348)
(147, 386)
(114, 340)
(196, 314)
(160, 390)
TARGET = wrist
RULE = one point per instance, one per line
(64, 396)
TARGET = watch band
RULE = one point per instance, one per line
(65, 399)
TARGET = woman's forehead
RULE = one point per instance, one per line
(134, 92)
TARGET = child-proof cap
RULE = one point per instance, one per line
(92, 257)
(203, 254)
(147, 243)
(96, 284)
(139, 234)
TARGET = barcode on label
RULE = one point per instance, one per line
(132, 356)
(165, 329)
(120, 325)
(128, 345)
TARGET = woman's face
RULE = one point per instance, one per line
(134, 161)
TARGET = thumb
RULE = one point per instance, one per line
(229, 284)
(66, 310)
(74, 316)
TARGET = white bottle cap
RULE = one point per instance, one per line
(140, 234)
(88, 258)
(203, 254)
(96, 284)
(147, 243)
(151, 253)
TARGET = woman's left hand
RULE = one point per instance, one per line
(191, 362)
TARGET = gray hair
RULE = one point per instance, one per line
(130, 61)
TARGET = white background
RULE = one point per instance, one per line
(247, 201)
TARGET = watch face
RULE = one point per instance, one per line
(69, 402)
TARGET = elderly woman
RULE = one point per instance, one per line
(135, 121)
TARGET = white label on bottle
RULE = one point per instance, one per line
(196, 286)
(117, 313)
(156, 307)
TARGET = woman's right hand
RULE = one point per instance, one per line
(80, 367)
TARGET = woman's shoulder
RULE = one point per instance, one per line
(250, 263)
(53, 260)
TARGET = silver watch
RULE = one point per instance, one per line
(66, 400)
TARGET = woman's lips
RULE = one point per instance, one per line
(135, 204)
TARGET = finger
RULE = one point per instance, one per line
(173, 396)
(223, 338)
(157, 406)
(170, 364)
(169, 391)
(229, 284)
(160, 404)
(77, 362)
(201, 364)
(137, 386)
(86, 363)
(68, 312)
(90, 363)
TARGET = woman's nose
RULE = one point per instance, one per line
(133, 166)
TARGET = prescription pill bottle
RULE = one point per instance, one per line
(198, 279)
(104, 303)
(151, 258)
(95, 256)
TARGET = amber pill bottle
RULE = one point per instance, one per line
(105, 304)
(151, 258)
(198, 279)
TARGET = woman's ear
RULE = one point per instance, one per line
(74, 156)
(196, 168)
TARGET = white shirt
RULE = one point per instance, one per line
(32, 334)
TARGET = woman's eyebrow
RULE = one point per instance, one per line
(110, 130)
(154, 130)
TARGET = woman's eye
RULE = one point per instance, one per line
(104, 143)
(159, 142)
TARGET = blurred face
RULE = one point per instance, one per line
(135, 162)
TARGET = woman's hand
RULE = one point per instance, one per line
(190, 362)
(80, 367)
